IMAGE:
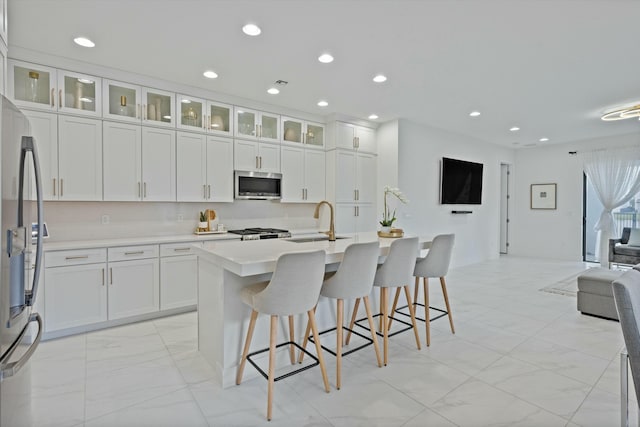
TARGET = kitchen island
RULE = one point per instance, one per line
(224, 269)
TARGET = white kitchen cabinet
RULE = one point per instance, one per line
(256, 156)
(355, 177)
(257, 125)
(204, 168)
(136, 104)
(3, 22)
(355, 218)
(353, 137)
(201, 115)
(178, 276)
(44, 128)
(296, 131)
(76, 291)
(139, 163)
(303, 175)
(79, 158)
(46, 88)
(134, 287)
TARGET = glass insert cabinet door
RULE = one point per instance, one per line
(246, 123)
(314, 135)
(79, 94)
(191, 113)
(269, 127)
(220, 118)
(157, 107)
(292, 130)
(121, 101)
(33, 85)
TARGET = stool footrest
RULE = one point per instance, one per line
(380, 334)
(431, 319)
(369, 341)
(288, 374)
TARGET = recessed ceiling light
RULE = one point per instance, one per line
(210, 74)
(544, 139)
(251, 30)
(84, 42)
(273, 91)
(322, 103)
(186, 101)
(474, 113)
(514, 129)
(373, 117)
(325, 58)
(380, 78)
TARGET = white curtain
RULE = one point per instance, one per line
(615, 176)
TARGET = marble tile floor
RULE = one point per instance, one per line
(520, 357)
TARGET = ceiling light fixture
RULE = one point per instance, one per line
(325, 58)
(210, 74)
(543, 139)
(373, 117)
(380, 78)
(251, 30)
(474, 113)
(322, 103)
(84, 42)
(273, 91)
(514, 129)
(624, 113)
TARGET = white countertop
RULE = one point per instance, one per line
(249, 258)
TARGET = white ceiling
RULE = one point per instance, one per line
(550, 67)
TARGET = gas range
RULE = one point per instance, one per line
(261, 233)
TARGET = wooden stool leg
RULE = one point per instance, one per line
(247, 344)
(415, 290)
(340, 315)
(316, 338)
(372, 327)
(306, 338)
(446, 301)
(385, 329)
(427, 321)
(353, 320)
(407, 293)
(272, 363)
(393, 309)
(292, 348)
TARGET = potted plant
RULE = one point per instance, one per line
(203, 225)
(388, 218)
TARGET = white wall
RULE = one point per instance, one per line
(387, 140)
(420, 151)
(554, 233)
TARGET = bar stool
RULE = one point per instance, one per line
(294, 288)
(395, 272)
(353, 280)
(435, 264)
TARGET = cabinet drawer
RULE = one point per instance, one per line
(75, 257)
(176, 249)
(133, 252)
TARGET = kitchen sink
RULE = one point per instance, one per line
(308, 239)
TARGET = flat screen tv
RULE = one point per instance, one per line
(461, 182)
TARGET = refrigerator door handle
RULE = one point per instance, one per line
(10, 369)
(28, 144)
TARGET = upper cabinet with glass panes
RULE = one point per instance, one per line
(51, 89)
(257, 125)
(296, 131)
(201, 115)
(132, 103)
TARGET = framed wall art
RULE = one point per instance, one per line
(543, 196)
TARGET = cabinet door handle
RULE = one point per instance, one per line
(139, 195)
(358, 210)
(182, 249)
(76, 257)
(358, 139)
(60, 98)
(138, 111)
(354, 194)
(144, 111)
(260, 162)
(355, 211)
(209, 191)
(209, 122)
(134, 253)
(53, 97)
(61, 187)
(110, 275)
(358, 193)
(103, 277)
(256, 162)
(145, 190)
(54, 186)
(204, 191)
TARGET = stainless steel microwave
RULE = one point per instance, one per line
(257, 185)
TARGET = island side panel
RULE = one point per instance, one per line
(211, 313)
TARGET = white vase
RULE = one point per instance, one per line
(385, 229)
(203, 225)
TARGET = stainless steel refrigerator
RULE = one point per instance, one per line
(21, 263)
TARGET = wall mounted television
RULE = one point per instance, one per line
(461, 182)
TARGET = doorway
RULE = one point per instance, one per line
(504, 207)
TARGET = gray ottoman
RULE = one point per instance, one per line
(595, 295)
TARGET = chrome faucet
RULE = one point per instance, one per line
(332, 229)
